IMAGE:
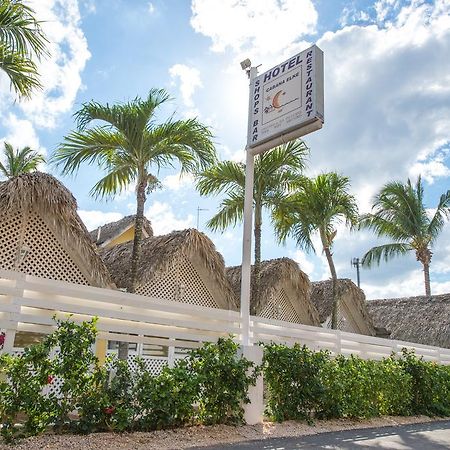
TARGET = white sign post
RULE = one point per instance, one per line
(285, 102)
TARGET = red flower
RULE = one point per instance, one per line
(110, 409)
(2, 339)
(50, 379)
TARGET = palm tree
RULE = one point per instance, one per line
(128, 146)
(316, 207)
(21, 40)
(275, 173)
(400, 214)
(19, 161)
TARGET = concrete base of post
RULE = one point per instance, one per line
(254, 411)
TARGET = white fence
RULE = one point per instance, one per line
(29, 303)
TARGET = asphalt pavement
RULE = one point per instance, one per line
(426, 436)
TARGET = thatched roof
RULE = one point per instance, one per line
(51, 200)
(415, 319)
(159, 253)
(104, 234)
(350, 294)
(277, 273)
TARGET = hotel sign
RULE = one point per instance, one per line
(287, 100)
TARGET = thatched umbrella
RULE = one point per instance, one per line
(283, 292)
(424, 320)
(353, 313)
(42, 234)
(182, 266)
(120, 231)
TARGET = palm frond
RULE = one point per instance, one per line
(386, 252)
(230, 213)
(226, 176)
(21, 71)
(442, 213)
(20, 32)
(95, 145)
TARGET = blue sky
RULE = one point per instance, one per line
(387, 102)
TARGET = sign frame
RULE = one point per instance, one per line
(287, 101)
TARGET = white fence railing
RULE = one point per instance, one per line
(29, 304)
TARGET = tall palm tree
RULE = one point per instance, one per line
(400, 214)
(128, 146)
(19, 161)
(275, 173)
(21, 41)
(316, 207)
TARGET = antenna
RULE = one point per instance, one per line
(355, 262)
(198, 215)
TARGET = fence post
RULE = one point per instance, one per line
(13, 315)
(254, 411)
(101, 346)
(171, 354)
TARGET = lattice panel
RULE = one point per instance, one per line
(284, 309)
(152, 365)
(268, 311)
(45, 256)
(9, 239)
(180, 283)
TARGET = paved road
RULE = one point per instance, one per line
(427, 436)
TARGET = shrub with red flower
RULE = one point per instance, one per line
(50, 379)
(110, 409)
(2, 339)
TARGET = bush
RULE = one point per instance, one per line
(430, 385)
(303, 384)
(209, 386)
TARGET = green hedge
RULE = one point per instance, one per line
(303, 384)
(209, 386)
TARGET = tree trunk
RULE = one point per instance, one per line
(426, 274)
(424, 255)
(257, 268)
(136, 253)
(335, 311)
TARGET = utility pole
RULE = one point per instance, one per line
(355, 262)
(198, 215)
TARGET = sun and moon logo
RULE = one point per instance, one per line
(277, 102)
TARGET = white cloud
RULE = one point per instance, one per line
(178, 181)
(61, 72)
(254, 26)
(188, 79)
(21, 133)
(163, 219)
(151, 8)
(385, 109)
(304, 261)
(93, 219)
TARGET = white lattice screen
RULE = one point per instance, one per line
(279, 307)
(45, 257)
(9, 239)
(182, 283)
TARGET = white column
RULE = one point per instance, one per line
(247, 231)
(254, 411)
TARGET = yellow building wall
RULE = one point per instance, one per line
(124, 237)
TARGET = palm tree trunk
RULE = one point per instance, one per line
(426, 274)
(136, 253)
(257, 267)
(335, 311)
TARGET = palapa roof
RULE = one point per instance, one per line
(275, 274)
(158, 253)
(112, 230)
(422, 320)
(348, 292)
(51, 200)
